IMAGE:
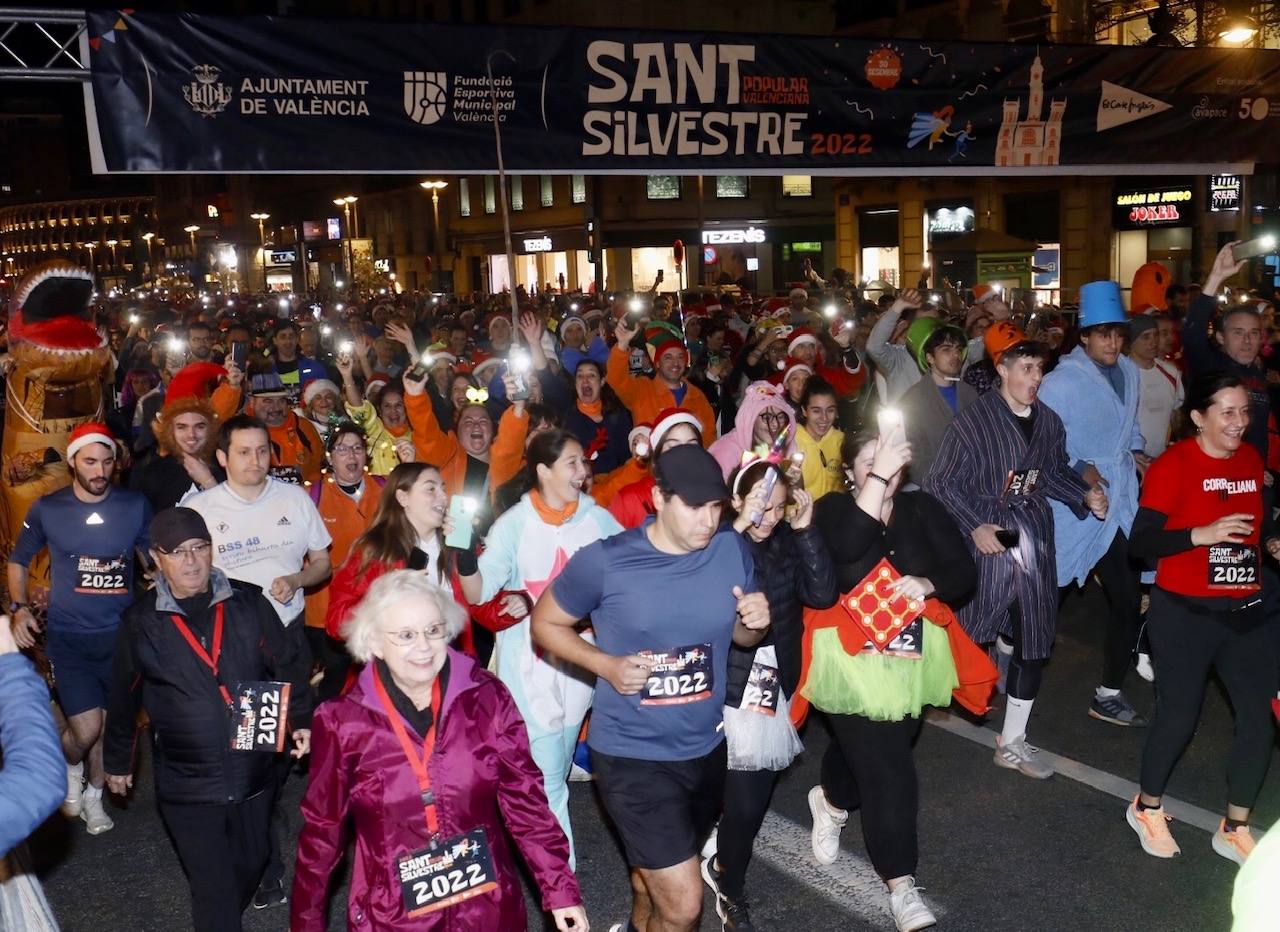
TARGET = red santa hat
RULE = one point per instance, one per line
(87, 433)
(194, 381)
(315, 387)
(669, 418)
(640, 430)
(485, 369)
(801, 335)
(985, 291)
(786, 368)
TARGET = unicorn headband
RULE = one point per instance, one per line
(771, 453)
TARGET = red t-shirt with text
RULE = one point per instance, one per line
(1194, 489)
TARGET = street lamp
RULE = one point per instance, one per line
(345, 203)
(148, 237)
(1238, 29)
(262, 237)
(93, 267)
(192, 231)
(113, 243)
(435, 187)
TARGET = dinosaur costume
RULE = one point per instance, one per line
(56, 384)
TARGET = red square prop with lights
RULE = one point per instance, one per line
(878, 610)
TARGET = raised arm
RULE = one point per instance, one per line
(431, 444)
(618, 372)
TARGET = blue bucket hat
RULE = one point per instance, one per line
(1100, 304)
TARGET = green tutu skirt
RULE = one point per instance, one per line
(883, 689)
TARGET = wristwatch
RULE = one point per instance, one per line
(14, 606)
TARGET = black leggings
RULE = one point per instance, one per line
(1185, 648)
(746, 800)
(869, 767)
(1120, 582)
(1023, 681)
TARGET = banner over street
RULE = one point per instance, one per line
(188, 93)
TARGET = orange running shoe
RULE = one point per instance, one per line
(1235, 846)
(1153, 831)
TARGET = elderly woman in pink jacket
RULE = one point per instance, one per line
(429, 759)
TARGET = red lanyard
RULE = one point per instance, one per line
(198, 648)
(419, 764)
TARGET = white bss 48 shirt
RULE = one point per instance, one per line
(261, 540)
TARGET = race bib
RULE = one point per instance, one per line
(459, 869)
(1233, 566)
(1021, 482)
(259, 711)
(286, 474)
(908, 643)
(679, 676)
(761, 692)
(102, 575)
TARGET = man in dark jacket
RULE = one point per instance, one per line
(218, 675)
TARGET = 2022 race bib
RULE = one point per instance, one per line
(291, 474)
(761, 692)
(1233, 566)
(679, 676)
(259, 711)
(1021, 483)
(458, 869)
(102, 575)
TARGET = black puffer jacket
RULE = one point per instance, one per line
(155, 668)
(793, 570)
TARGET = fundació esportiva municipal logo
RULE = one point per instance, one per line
(426, 93)
(207, 95)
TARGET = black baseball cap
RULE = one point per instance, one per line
(692, 473)
(173, 527)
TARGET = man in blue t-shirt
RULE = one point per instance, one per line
(667, 600)
(92, 530)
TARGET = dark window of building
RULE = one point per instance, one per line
(878, 226)
(1033, 216)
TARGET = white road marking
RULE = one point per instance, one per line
(851, 883)
(1099, 780)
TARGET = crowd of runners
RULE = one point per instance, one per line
(437, 556)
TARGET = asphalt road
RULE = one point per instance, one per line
(998, 851)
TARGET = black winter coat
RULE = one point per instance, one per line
(921, 540)
(156, 669)
(793, 570)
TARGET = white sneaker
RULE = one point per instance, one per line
(1021, 756)
(826, 826)
(75, 791)
(1144, 667)
(95, 817)
(908, 907)
(709, 846)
